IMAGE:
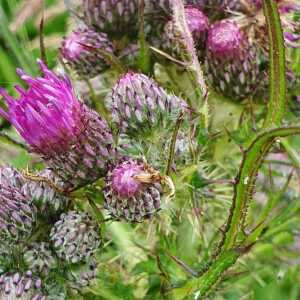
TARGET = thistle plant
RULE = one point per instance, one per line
(154, 168)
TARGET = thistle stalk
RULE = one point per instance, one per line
(194, 66)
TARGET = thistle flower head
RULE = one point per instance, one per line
(47, 115)
(75, 237)
(232, 63)
(123, 182)
(39, 258)
(21, 286)
(132, 192)
(114, 17)
(225, 40)
(17, 214)
(81, 51)
(197, 22)
(137, 102)
(74, 140)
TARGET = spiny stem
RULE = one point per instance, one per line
(277, 72)
(228, 253)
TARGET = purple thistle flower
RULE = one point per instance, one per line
(123, 183)
(232, 63)
(47, 115)
(79, 50)
(74, 141)
(129, 197)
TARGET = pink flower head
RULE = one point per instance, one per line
(73, 45)
(225, 40)
(47, 115)
(123, 182)
(197, 21)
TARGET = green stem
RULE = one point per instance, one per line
(277, 79)
(199, 287)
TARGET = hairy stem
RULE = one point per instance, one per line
(193, 65)
(277, 79)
